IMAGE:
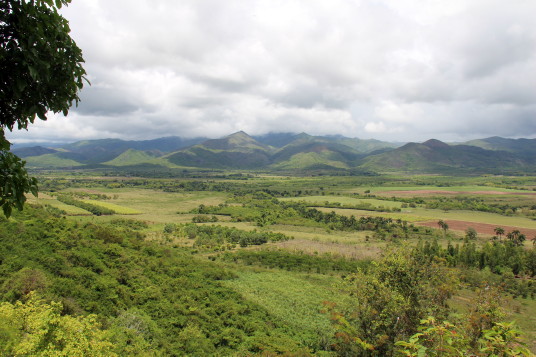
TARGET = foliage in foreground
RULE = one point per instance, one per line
(40, 71)
(398, 303)
(162, 299)
(389, 300)
(37, 328)
(442, 338)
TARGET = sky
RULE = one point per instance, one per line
(393, 70)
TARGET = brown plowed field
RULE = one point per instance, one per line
(481, 228)
(441, 192)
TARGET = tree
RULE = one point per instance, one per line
(470, 234)
(516, 237)
(499, 232)
(443, 225)
(36, 327)
(388, 302)
(40, 71)
(446, 339)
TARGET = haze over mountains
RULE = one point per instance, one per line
(292, 152)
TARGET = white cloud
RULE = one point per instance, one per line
(390, 69)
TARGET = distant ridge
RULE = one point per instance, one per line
(293, 152)
(525, 148)
(33, 151)
(434, 156)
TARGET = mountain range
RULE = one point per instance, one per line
(292, 152)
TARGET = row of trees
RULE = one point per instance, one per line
(265, 211)
(498, 257)
(94, 209)
(515, 236)
(285, 260)
(220, 237)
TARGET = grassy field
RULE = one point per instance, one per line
(319, 241)
(45, 199)
(296, 299)
(117, 208)
(343, 200)
(161, 207)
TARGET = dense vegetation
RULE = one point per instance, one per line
(235, 264)
(295, 261)
(220, 238)
(146, 297)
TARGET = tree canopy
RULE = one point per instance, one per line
(40, 71)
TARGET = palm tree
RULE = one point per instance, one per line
(520, 240)
(499, 232)
(516, 237)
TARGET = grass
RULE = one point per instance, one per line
(313, 240)
(45, 199)
(293, 298)
(343, 200)
(116, 208)
(296, 298)
(50, 160)
(130, 157)
(359, 213)
(157, 206)
(357, 252)
(474, 216)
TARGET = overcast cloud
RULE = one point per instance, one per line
(397, 70)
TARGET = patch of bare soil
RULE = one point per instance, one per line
(481, 228)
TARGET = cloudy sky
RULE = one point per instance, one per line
(395, 70)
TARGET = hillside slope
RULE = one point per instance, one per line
(239, 151)
(525, 148)
(434, 156)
